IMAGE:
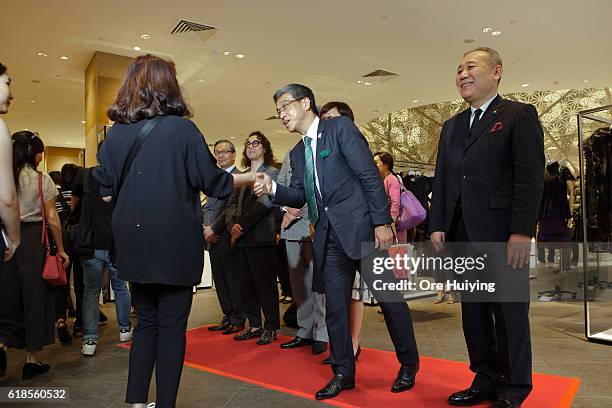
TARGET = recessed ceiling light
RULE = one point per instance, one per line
(240, 56)
(145, 36)
(487, 30)
(227, 53)
(360, 81)
(415, 100)
(525, 85)
(27, 129)
(496, 33)
(201, 80)
(33, 100)
(586, 81)
(232, 137)
(68, 143)
(83, 122)
(65, 58)
(42, 54)
(137, 48)
(367, 83)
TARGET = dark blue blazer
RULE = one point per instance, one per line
(497, 175)
(353, 198)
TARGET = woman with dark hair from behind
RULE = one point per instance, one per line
(27, 300)
(9, 207)
(162, 256)
(251, 221)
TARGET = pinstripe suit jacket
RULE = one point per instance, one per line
(496, 176)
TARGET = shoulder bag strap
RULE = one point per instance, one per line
(45, 237)
(146, 129)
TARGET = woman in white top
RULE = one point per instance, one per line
(26, 300)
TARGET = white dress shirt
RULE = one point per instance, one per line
(483, 108)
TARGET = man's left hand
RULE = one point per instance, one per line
(519, 249)
(384, 237)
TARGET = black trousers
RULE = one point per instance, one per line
(258, 285)
(227, 284)
(27, 309)
(498, 339)
(338, 275)
(159, 341)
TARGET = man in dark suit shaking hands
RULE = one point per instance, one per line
(333, 172)
(487, 188)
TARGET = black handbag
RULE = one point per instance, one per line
(82, 233)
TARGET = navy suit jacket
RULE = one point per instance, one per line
(496, 176)
(352, 199)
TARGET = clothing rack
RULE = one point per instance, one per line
(605, 336)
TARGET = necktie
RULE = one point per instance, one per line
(309, 182)
(476, 119)
(477, 114)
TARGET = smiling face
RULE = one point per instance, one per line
(477, 78)
(225, 155)
(254, 148)
(5, 93)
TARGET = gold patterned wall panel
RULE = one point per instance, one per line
(411, 135)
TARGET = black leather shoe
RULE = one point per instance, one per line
(297, 342)
(2, 362)
(405, 378)
(248, 334)
(338, 383)
(31, 370)
(231, 329)
(470, 396)
(219, 327)
(318, 347)
(267, 337)
(502, 402)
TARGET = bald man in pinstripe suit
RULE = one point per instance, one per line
(487, 188)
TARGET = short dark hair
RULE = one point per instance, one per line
(56, 176)
(342, 108)
(69, 173)
(26, 145)
(268, 153)
(386, 158)
(2, 69)
(298, 91)
(150, 88)
(218, 142)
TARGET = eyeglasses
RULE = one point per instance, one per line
(223, 152)
(254, 143)
(285, 105)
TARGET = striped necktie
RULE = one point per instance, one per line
(309, 182)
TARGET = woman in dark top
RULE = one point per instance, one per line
(156, 222)
(252, 224)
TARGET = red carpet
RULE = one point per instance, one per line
(299, 373)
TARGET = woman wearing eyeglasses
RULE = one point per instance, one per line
(252, 223)
(27, 302)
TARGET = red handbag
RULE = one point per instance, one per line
(53, 272)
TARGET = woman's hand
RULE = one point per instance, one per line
(64, 256)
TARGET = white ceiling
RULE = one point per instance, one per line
(328, 46)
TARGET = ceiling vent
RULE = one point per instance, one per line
(380, 73)
(192, 31)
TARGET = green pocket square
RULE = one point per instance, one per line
(324, 154)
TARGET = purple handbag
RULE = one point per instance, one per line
(412, 212)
